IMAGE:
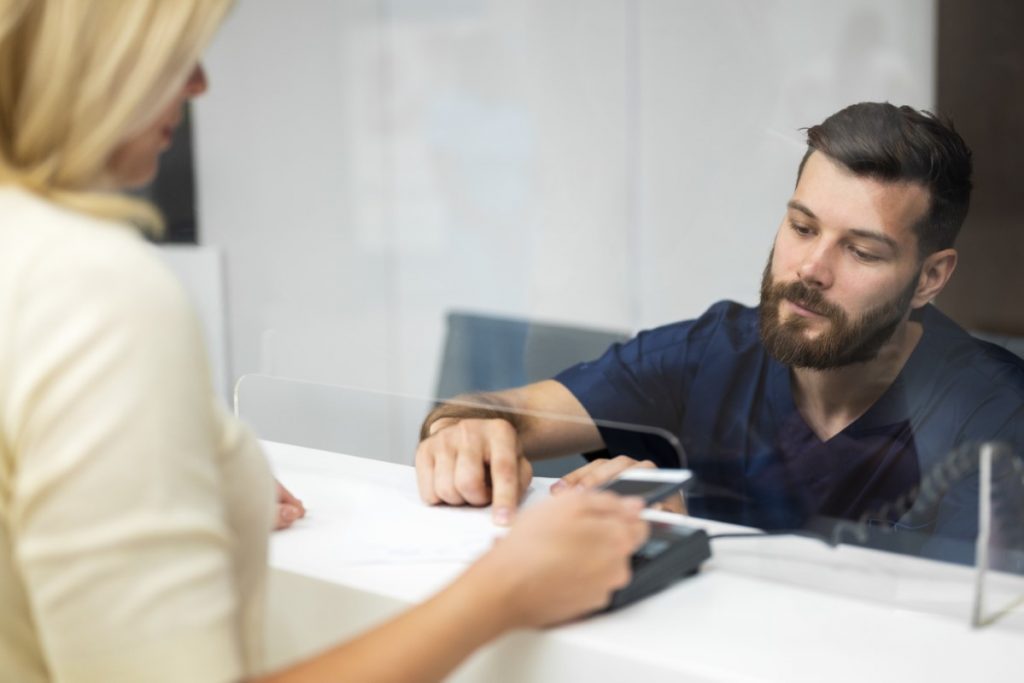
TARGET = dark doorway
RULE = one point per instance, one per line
(173, 190)
(981, 86)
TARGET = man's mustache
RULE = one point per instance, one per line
(807, 297)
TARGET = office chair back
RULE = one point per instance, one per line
(489, 353)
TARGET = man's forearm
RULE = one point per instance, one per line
(473, 407)
(548, 419)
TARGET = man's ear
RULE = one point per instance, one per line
(935, 273)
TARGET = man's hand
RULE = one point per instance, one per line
(603, 470)
(473, 462)
(289, 508)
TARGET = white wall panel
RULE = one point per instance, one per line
(367, 165)
(725, 88)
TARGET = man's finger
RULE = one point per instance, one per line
(609, 470)
(570, 480)
(599, 472)
(471, 481)
(504, 466)
(425, 475)
(444, 478)
(525, 476)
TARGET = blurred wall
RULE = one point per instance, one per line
(368, 164)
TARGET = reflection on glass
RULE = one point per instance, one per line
(845, 405)
(388, 427)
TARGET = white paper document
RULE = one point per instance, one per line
(375, 518)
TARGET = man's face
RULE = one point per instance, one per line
(844, 270)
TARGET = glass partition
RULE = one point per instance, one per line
(386, 426)
(305, 426)
(1000, 542)
(370, 424)
(887, 554)
(609, 167)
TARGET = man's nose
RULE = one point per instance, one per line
(815, 269)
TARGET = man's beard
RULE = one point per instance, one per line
(843, 343)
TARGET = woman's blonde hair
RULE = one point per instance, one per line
(80, 77)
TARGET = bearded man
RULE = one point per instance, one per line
(835, 400)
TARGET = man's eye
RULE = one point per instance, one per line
(865, 256)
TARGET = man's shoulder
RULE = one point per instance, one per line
(724, 333)
(969, 360)
(968, 385)
(721, 317)
(725, 324)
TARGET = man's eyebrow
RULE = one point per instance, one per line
(797, 206)
(863, 233)
(876, 236)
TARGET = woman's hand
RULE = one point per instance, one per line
(564, 557)
(289, 508)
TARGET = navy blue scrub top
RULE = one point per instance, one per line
(711, 383)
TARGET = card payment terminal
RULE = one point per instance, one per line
(672, 552)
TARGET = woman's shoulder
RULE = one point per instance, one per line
(34, 223)
(46, 245)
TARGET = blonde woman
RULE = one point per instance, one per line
(134, 513)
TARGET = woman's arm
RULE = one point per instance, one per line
(562, 559)
(121, 538)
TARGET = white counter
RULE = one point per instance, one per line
(773, 609)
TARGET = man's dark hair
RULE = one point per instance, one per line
(893, 144)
